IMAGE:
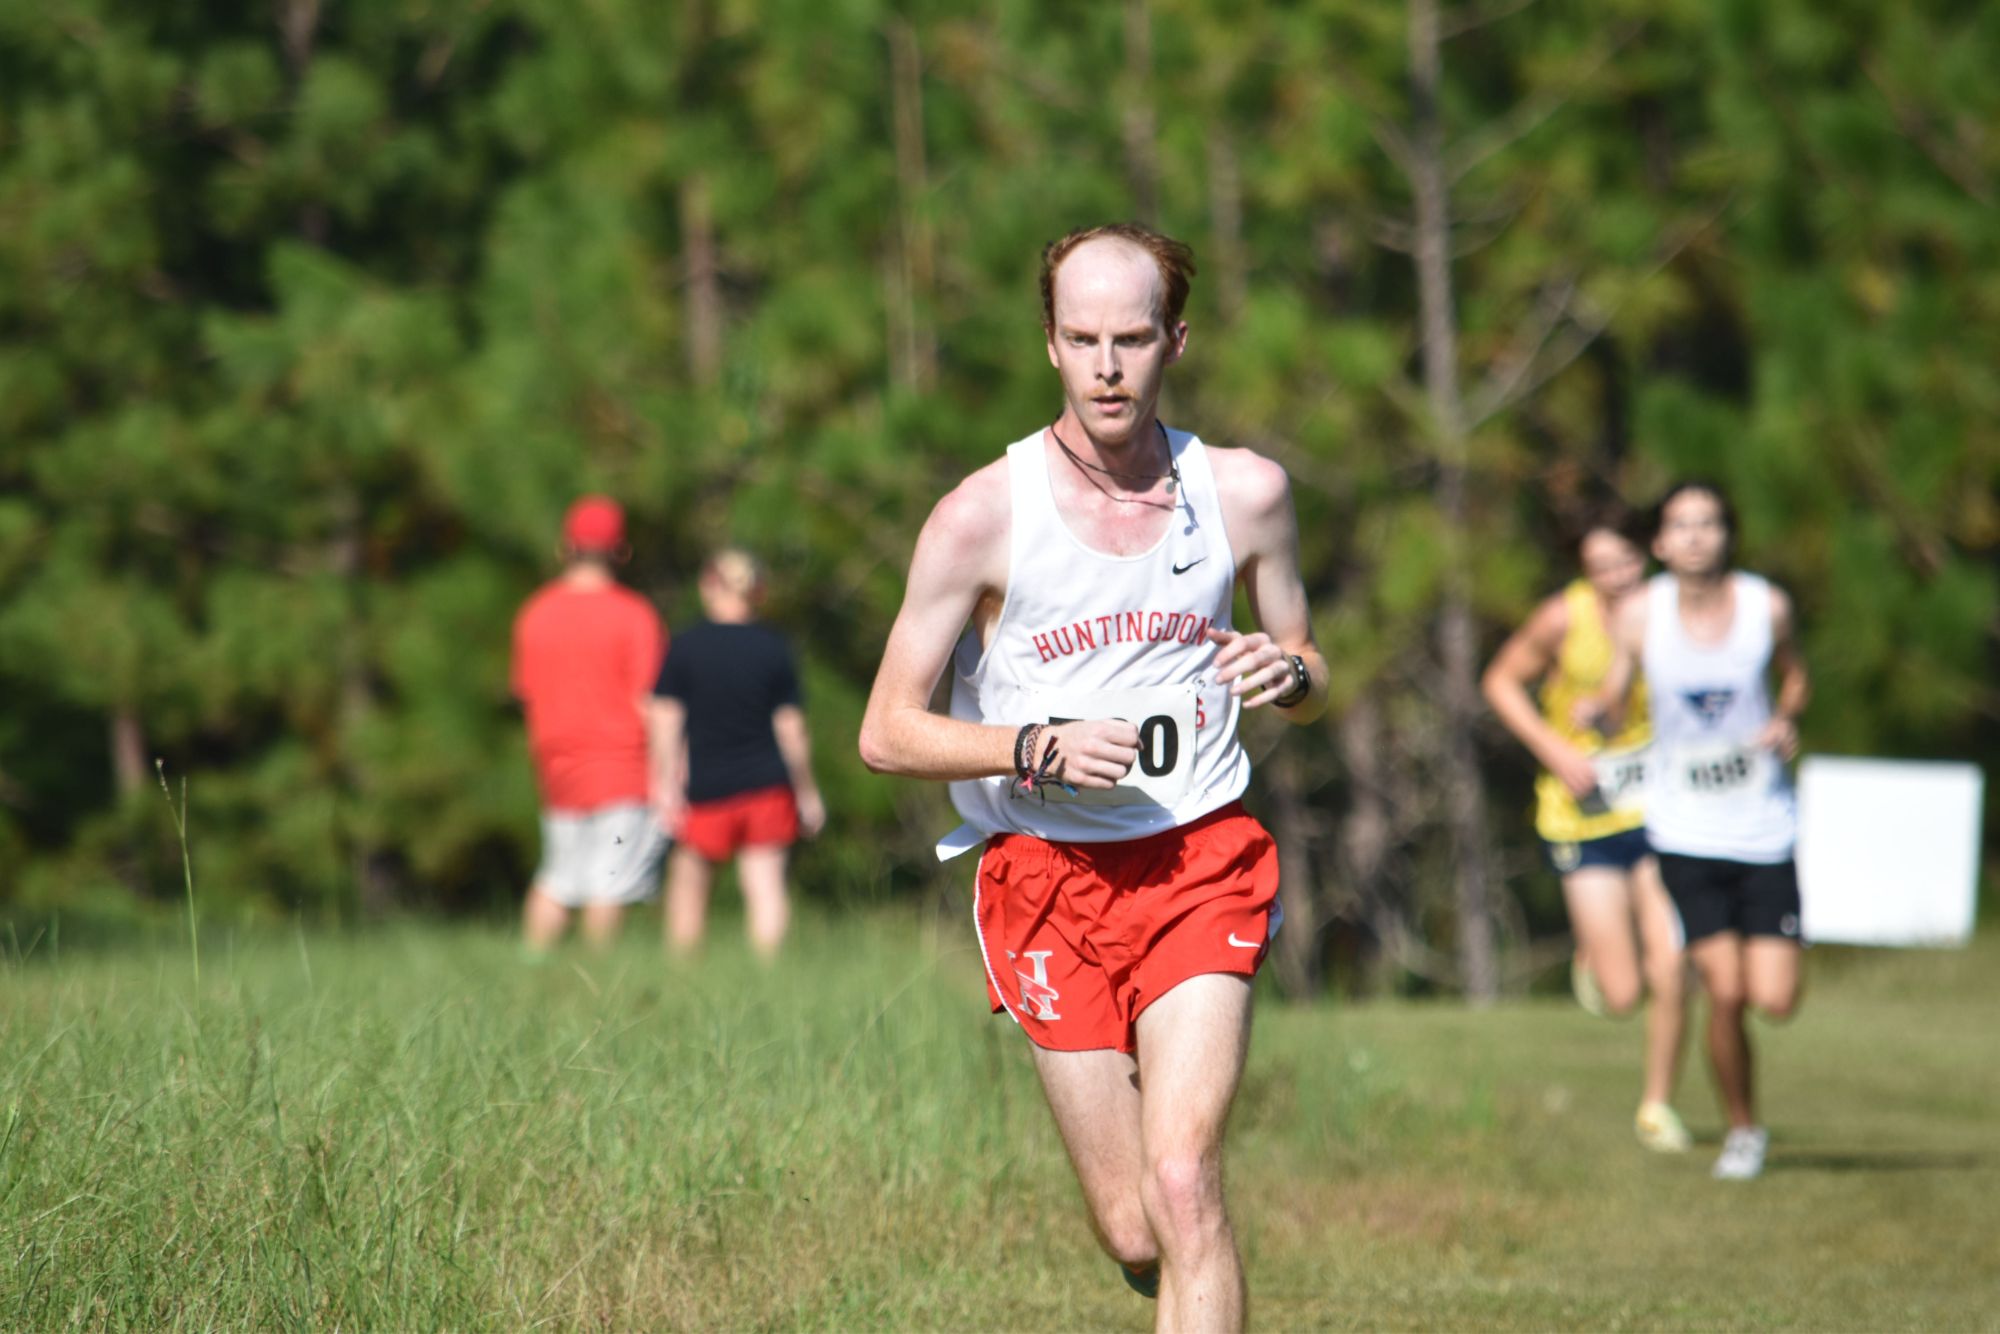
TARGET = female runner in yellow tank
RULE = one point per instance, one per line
(1589, 810)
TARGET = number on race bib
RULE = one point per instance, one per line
(1159, 742)
(1168, 740)
(1719, 775)
(1159, 745)
(1721, 772)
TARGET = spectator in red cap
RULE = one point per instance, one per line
(586, 652)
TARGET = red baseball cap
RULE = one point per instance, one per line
(594, 523)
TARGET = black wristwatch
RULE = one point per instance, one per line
(1302, 685)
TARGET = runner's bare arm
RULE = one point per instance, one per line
(1606, 709)
(960, 563)
(1263, 531)
(1522, 662)
(1781, 734)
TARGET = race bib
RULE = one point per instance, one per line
(1621, 779)
(1168, 740)
(1720, 773)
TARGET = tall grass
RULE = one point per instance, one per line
(415, 1130)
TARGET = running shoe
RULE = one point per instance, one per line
(1742, 1154)
(1145, 1280)
(1659, 1128)
(1583, 985)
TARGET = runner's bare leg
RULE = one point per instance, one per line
(1192, 1042)
(1771, 975)
(1719, 960)
(1600, 912)
(1666, 977)
(1095, 1098)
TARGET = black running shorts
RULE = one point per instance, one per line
(1749, 898)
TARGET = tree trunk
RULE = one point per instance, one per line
(1142, 154)
(915, 343)
(374, 880)
(129, 767)
(1296, 953)
(1365, 829)
(1457, 693)
(703, 276)
(375, 885)
(1225, 223)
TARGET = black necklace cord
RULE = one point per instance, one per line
(1172, 474)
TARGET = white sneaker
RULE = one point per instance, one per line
(1742, 1154)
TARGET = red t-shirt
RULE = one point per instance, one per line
(584, 660)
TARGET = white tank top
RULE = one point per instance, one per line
(1713, 792)
(1083, 634)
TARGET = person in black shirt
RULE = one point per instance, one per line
(735, 775)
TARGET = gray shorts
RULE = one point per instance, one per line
(609, 855)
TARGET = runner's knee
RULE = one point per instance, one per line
(1621, 994)
(1183, 1195)
(1127, 1237)
(1777, 1004)
(1664, 977)
(1724, 994)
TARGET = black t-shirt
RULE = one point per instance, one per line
(730, 678)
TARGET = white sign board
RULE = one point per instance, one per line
(1888, 850)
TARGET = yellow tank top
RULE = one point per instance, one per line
(1581, 662)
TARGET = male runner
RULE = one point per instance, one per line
(1080, 589)
(1720, 813)
(1590, 809)
(586, 650)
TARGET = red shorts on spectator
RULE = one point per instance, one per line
(1079, 938)
(718, 830)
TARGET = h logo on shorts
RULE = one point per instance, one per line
(1036, 993)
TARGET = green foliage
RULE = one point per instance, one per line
(309, 329)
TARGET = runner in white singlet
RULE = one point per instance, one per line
(1079, 590)
(1719, 809)
(1084, 634)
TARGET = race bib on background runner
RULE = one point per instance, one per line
(1621, 779)
(1168, 740)
(1721, 773)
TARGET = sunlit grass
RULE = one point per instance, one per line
(416, 1129)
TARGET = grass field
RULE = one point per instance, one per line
(415, 1130)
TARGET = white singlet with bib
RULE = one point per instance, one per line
(1083, 634)
(1714, 792)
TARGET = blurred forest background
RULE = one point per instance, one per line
(314, 316)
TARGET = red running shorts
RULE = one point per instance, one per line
(1079, 938)
(718, 830)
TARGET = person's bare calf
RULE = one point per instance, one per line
(761, 873)
(1192, 1042)
(1095, 1098)
(543, 921)
(600, 923)
(688, 879)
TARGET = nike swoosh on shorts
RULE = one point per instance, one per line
(1244, 944)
